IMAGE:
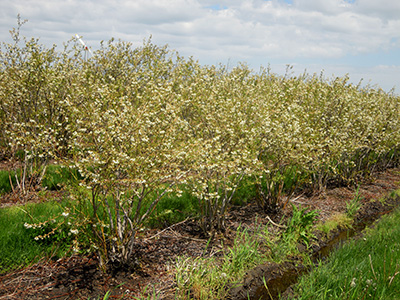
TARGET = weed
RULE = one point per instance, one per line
(298, 230)
(354, 204)
(300, 224)
(243, 254)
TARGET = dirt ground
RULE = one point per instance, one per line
(79, 278)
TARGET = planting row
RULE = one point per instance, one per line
(139, 123)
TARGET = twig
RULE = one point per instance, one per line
(7, 297)
(170, 227)
(372, 267)
(394, 275)
(391, 278)
(277, 225)
(298, 197)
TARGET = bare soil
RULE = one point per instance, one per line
(78, 277)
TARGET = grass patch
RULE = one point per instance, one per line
(209, 277)
(17, 244)
(57, 176)
(245, 193)
(338, 220)
(172, 209)
(367, 268)
(5, 186)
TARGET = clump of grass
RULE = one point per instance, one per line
(208, 277)
(337, 220)
(366, 268)
(5, 186)
(353, 206)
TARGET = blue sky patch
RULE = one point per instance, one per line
(217, 7)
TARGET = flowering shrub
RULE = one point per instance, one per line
(34, 90)
(222, 131)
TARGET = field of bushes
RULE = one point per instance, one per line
(131, 126)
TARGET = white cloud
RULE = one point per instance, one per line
(327, 7)
(385, 76)
(384, 9)
(256, 31)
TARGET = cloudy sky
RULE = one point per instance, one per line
(358, 37)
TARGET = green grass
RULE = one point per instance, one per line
(54, 179)
(172, 209)
(246, 192)
(209, 277)
(354, 204)
(57, 176)
(5, 186)
(338, 220)
(17, 244)
(366, 268)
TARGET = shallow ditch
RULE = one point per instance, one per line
(270, 280)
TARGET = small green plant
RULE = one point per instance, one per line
(298, 230)
(354, 204)
(299, 226)
(266, 287)
(148, 295)
(244, 253)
